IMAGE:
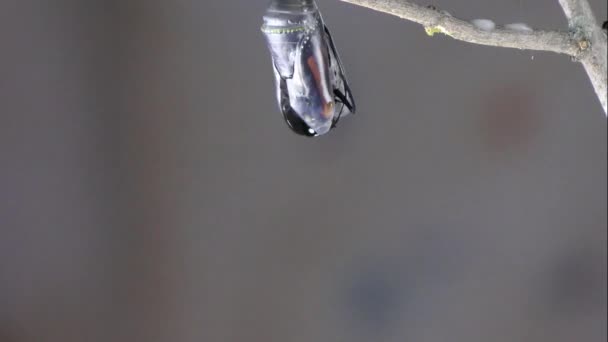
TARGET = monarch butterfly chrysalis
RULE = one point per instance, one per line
(312, 90)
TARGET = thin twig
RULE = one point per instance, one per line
(438, 21)
(585, 27)
(582, 47)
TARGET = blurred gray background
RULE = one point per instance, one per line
(150, 190)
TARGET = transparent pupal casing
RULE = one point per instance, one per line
(312, 90)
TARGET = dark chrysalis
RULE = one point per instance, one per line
(311, 86)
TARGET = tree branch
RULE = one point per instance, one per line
(576, 8)
(438, 21)
(584, 26)
(580, 46)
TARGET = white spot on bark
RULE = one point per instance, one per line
(484, 24)
(519, 27)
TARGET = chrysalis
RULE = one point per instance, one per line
(311, 87)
